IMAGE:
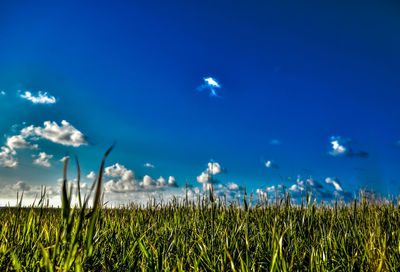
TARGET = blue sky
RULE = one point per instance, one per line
(304, 89)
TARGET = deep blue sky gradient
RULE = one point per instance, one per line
(128, 71)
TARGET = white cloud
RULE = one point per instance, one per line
(214, 168)
(210, 84)
(8, 152)
(63, 159)
(233, 186)
(43, 159)
(3, 93)
(91, 175)
(172, 181)
(17, 141)
(338, 149)
(271, 164)
(334, 182)
(65, 134)
(40, 98)
(7, 159)
(149, 165)
(128, 183)
(115, 170)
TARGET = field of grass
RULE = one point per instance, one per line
(201, 235)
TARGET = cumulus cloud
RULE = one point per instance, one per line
(148, 165)
(17, 141)
(213, 168)
(339, 148)
(8, 152)
(7, 158)
(40, 98)
(335, 182)
(125, 181)
(271, 189)
(43, 159)
(91, 175)
(65, 134)
(116, 170)
(211, 85)
(322, 190)
(299, 186)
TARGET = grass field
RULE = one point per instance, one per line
(201, 235)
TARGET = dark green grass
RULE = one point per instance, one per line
(202, 235)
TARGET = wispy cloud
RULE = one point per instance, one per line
(63, 159)
(335, 182)
(211, 85)
(274, 142)
(3, 93)
(271, 164)
(43, 159)
(149, 165)
(40, 98)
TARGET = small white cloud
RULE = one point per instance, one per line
(334, 182)
(40, 98)
(91, 175)
(43, 159)
(233, 186)
(338, 148)
(149, 165)
(210, 84)
(64, 159)
(271, 164)
(172, 181)
(128, 183)
(3, 93)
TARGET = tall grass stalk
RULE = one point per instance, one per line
(202, 234)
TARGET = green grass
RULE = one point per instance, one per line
(201, 235)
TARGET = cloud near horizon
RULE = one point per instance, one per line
(126, 181)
